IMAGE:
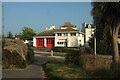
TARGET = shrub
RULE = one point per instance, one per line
(74, 57)
(88, 61)
(88, 50)
(103, 47)
(61, 49)
(30, 55)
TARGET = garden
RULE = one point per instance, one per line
(78, 64)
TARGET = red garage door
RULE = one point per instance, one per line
(50, 42)
(40, 42)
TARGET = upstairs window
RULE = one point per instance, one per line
(82, 35)
(73, 34)
(65, 34)
(53, 34)
(59, 34)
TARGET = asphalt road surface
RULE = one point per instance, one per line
(42, 55)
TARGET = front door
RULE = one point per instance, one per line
(50, 42)
(40, 42)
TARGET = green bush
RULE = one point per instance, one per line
(104, 47)
(74, 57)
(30, 55)
(88, 51)
(61, 49)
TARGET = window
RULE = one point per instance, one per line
(53, 34)
(89, 37)
(59, 43)
(65, 34)
(82, 35)
(59, 34)
(73, 34)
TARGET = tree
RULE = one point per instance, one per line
(10, 35)
(106, 16)
(27, 34)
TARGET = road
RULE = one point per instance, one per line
(42, 55)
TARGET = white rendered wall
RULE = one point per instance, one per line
(81, 37)
(66, 28)
(72, 41)
(63, 28)
(44, 42)
(34, 41)
(88, 34)
(57, 39)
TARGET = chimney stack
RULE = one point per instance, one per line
(46, 28)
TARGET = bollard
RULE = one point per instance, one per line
(51, 53)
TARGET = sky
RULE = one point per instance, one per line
(38, 15)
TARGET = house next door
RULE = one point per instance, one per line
(39, 42)
(50, 42)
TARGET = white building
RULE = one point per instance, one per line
(88, 30)
(66, 36)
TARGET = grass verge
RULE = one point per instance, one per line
(59, 70)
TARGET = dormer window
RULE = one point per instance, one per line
(73, 34)
(59, 34)
(65, 34)
(89, 26)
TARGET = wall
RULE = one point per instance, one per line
(88, 33)
(57, 39)
(81, 37)
(34, 41)
(67, 27)
(72, 41)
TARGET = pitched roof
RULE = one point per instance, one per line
(67, 24)
(51, 32)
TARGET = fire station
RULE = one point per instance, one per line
(66, 36)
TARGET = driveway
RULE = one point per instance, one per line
(42, 55)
